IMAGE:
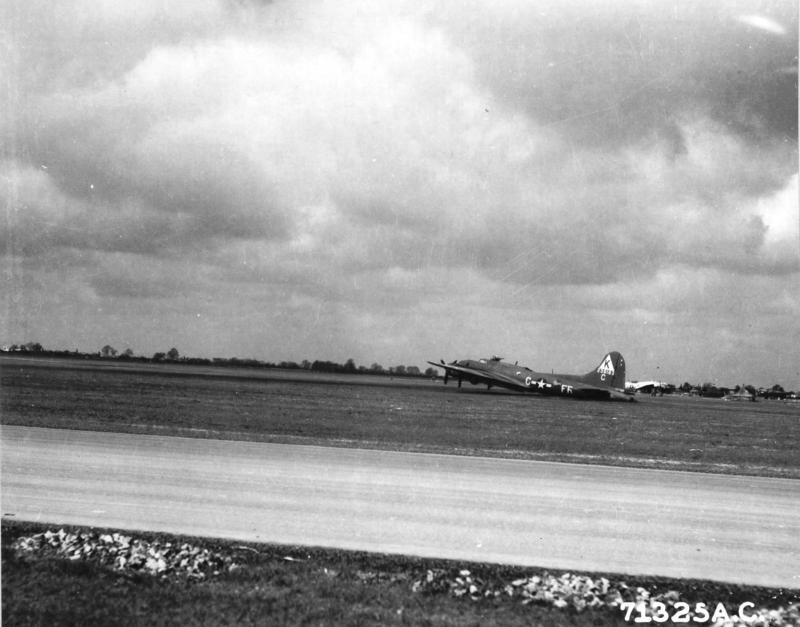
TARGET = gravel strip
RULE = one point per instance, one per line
(580, 593)
(126, 554)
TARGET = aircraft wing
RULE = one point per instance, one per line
(481, 376)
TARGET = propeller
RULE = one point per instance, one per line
(446, 373)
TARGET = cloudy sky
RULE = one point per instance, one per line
(400, 181)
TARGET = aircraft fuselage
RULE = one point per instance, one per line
(522, 375)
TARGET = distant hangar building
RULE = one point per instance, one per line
(646, 387)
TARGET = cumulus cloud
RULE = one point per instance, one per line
(764, 23)
(372, 161)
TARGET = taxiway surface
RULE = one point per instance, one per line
(566, 516)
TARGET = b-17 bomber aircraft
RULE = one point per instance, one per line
(606, 382)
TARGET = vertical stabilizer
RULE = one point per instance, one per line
(610, 372)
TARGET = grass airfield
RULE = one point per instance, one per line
(301, 585)
(672, 432)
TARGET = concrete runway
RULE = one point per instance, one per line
(571, 516)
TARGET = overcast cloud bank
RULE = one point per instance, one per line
(396, 182)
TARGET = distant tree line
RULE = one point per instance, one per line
(174, 356)
(712, 391)
(706, 389)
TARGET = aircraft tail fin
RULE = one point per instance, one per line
(610, 372)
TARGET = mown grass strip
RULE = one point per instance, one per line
(272, 584)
